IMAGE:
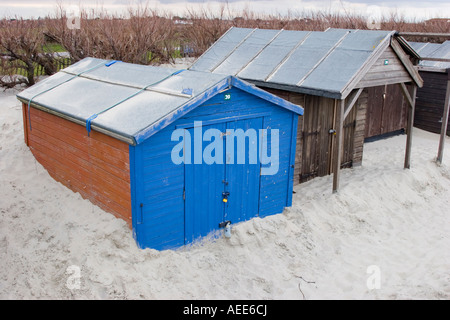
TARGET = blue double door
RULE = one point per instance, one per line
(228, 188)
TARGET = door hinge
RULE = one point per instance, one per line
(224, 224)
(184, 194)
(141, 214)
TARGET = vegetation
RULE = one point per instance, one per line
(31, 48)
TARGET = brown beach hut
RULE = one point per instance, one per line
(329, 74)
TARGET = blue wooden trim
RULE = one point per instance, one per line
(134, 206)
(178, 113)
(264, 126)
(136, 177)
(292, 160)
(221, 120)
(247, 87)
(225, 84)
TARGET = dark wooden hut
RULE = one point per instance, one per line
(430, 101)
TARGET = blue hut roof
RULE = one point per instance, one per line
(128, 101)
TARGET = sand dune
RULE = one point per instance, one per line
(387, 228)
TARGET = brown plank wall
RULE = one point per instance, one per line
(387, 110)
(382, 74)
(315, 144)
(97, 166)
(360, 127)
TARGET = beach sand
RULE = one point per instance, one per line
(384, 235)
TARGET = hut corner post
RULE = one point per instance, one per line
(412, 104)
(444, 122)
(344, 108)
(340, 141)
(25, 123)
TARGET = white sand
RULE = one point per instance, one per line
(395, 219)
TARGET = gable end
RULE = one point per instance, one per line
(387, 69)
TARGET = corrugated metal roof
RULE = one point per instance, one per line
(128, 101)
(321, 63)
(433, 50)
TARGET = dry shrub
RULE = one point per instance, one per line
(204, 27)
(145, 36)
(22, 51)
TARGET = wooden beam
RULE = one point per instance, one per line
(435, 59)
(412, 103)
(406, 94)
(351, 101)
(444, 122)
(406, 62)
(25, 123)
(424, 34)
(339, 143)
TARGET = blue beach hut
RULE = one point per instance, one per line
(178, 155)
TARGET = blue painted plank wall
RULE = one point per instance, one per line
(158, 183)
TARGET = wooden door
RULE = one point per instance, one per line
(204, 185)
(318, 138)
(386, 110)
(243, 177)
(236, 178)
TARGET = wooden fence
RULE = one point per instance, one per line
(61, 63)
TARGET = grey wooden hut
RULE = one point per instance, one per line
(327, 73)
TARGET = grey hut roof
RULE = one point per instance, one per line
(433, 50)
(318, 63)
(131, 102)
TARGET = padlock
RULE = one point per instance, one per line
(225, 196)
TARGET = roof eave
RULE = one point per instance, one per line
(410, 68)
(190, 105)
(248, 87)
(297, 89)
(119, 136)
(406, 46)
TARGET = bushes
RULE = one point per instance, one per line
(146, 36)
(22, 50)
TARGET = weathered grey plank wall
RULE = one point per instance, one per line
(387, 110)
(315, 142)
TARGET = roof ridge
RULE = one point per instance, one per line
(232, 51)
(286, 58)
(323, 59)
(259, 52)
